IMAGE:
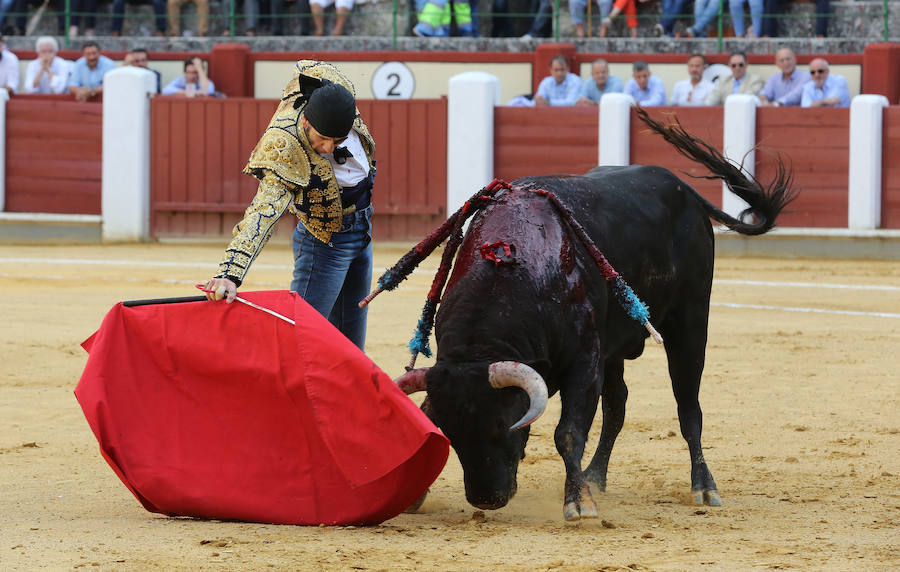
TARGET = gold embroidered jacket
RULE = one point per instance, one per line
(292, 176)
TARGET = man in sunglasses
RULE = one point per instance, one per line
(316, 160)
(740, 81)
(824, 90)
(784, 87)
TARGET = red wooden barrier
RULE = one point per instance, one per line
(53, 155)
(817, 143)
(198, 148)
(890, 169)
(544, 141)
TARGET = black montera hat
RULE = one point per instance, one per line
(331, 110)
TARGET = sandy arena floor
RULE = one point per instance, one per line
(802, 433)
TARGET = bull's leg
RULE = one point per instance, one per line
(579, 404)
(686, 352)
(615, 394)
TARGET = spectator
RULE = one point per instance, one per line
(49, 73)
(577, 9)
(630, 9)
(5, 5)
(599, 84)
(561, 87)
(9, 68)
(342, 10)
(501, 20)
(15, 26)
(737, 17)
(543, 20)
(194, 82)
(705, 11)
(739, 82)
(435, 17)
(80, 12)
(159, 8)
(647, 90)
(139, 58)
(693, 91)
(273, 11)
(823, 11)
(824, 90)
(784, 87)
(771, 15)
(174, 12)
(86, 80)
(671, 10)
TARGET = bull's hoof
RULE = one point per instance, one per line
(583, 508)
(709, 497)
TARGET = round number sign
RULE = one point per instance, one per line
(393, 80)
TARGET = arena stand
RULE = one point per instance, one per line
(196, 148)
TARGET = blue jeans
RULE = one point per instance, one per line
(737, 16)
(334, 278)
(5, 5)
(542, 26)
(671, 10)
(705, 11)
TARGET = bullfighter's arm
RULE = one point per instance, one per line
(272, 198)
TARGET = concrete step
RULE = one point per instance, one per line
(37, 228)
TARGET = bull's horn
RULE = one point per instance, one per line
(515, 374)
(412, 381)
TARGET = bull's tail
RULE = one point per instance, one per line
(765, 203)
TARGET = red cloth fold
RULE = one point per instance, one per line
(218, 410)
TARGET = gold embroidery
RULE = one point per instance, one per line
(284, 151)
(272, 198)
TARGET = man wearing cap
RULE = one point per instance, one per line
(315, 159)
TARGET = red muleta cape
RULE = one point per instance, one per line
(218, 410)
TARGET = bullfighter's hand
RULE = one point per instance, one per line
(221, 288)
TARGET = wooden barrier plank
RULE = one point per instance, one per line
(27, 193)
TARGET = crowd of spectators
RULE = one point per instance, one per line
(434, 17)
(83, 78)
(789, 86)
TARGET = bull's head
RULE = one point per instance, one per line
(485, 414)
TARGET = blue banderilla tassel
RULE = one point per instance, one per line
(419, 342)
(630, 302)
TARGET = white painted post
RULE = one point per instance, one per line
(4, 97)
(472, 97)
(614, 130)
(739, 142)
(125, 202)
(864, 185)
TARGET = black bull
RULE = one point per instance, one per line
(546, 307)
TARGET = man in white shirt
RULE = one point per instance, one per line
(9, 69)
(692, 91)
(561, 87)
(49, 73)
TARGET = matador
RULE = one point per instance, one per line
(315, 159)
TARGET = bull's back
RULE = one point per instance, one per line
(647, 222)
